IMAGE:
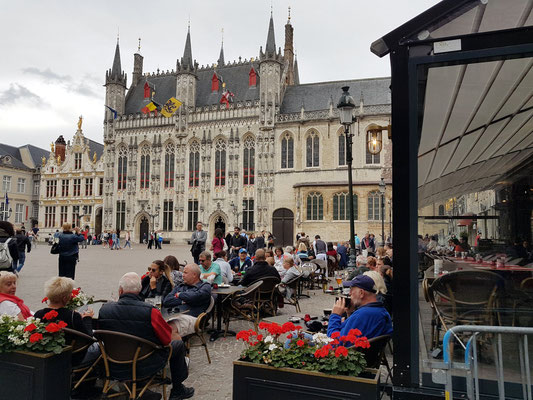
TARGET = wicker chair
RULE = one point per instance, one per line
(80, 343)
(241, 305)
(199, 330)
(466, 297)
(294, 285)
(121, 349)
(266, 299)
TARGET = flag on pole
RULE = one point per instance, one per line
(152, 106)
(115, 113)
(227, 96)
(170, 107)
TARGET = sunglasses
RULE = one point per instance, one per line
(153, 269)
(202, 260)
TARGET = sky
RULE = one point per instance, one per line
(56, 53)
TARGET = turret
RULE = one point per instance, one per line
(186, 79)
(137, 66)
(288, 52)
(115, 84)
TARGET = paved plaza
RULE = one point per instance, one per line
(98, 273)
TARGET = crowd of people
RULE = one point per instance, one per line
(188, 289)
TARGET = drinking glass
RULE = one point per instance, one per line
(339, 275)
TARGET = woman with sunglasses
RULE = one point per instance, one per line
(158, 281)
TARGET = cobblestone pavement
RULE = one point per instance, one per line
(98, 273)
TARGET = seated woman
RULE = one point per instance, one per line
(290, 272)
(9, 303)
(331, 250)
(158, 282)
(59, 291)
(175, 271)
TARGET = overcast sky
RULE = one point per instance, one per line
(55, 53)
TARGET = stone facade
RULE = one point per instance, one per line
(257, 163)
(72, 184)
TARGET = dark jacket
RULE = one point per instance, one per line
(68, 243)
(162, 287)
(238, 241)
(257, 271)
(260, 241)
(12, 245)
(196, 298)
(252, 247)
(23, 242)
(236, 265)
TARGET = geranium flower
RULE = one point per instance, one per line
(243, 335)
(62, 324)
(335, 335)
(263, 325)
(44, 300)
(341, 351)
(288, 327)
(355, 332)
(50, 315)
(75, 292)
(259, 337)
(300, 343)
(52, 327)
(30, 327)
(35, 337)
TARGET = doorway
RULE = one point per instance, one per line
(220, 223)
(143, 230)
(283, 227)
(98, 222)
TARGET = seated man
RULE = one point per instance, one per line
(209, 270)
(193, 296)
(131, 315)
(242, 262)
(260, 269)
(370, 317)
(225, 268)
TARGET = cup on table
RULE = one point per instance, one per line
(437, 267)
(157, 301)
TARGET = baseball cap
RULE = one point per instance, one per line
(242, 251)
(361, 281)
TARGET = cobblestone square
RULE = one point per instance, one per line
(98, 273)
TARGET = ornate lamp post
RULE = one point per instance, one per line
(382, 187)
(346, 106)
(153, 216)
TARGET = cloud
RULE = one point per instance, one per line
(17, 93)
(66, 81)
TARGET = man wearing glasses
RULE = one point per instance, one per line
(210, 271)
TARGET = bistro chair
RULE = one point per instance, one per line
(242, 305)
(80, 343)
(465, 297)
(320, 277)
(375, 355)
(523, 304)
(266, 298)
(294, 285)
(199, 330)
(121, 350)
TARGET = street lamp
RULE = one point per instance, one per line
(153, 216)
(382, 187)
(346, 106)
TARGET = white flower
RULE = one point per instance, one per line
(272, 346)
(320, 338)
(269, 339)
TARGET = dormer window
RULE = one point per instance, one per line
(253, 78)
(214, 83)
(77, 160)
(146, 90)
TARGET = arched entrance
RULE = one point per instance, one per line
(283, 227)
(220, 223)
(143, 229)
(98, 222)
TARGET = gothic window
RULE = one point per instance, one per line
(75, 216)
(169, 166)
(312, 148)
(373, 206)
(122, 168)
(168, 207)
(342, 149)
(100, 186)
(77, 160)
(249, 161)
(192, 215)
(50, 216)
(88, 186)
(220, 163)
(287, 151)
(77, 187)
(441, 209)
(315, 206)
(63, 215)
(51, 188)
(194, 164)
(145, 168)
(64, 188)
(371, 158)
(341, 206)
(248, 215)
(252, 81)
(121, 215)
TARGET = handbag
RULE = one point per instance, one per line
(55, 249)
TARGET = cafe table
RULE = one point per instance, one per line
(222, 293)
(96, 306)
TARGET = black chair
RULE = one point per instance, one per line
(294, 285)
(80, 342)
(121, 349)
(242, 305)
(375, 355)
(266, 298)
(199, 330)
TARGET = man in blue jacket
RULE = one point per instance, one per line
(370, 317)
(192, 296)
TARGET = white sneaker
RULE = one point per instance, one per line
(187, 361)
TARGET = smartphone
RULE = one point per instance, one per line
(347, 301)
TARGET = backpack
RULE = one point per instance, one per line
(6, 261)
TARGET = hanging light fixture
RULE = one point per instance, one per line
(374, 138)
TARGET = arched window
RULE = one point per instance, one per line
(372, 158)
(315, 206)
(287, 151)
(249, 161)
(194, 164)
(312, 148)
(122, 168)
(169, 166)
(441, 209)
(373, 206)
(220, 163)
(341, 206)
(145, 167)
(342, 149)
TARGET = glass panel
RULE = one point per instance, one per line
(342, 150)
(320, 207)
(309, 152)
(316, 147)
(336, 207)
(284, 153)
(309, 207)
(290, 155)
(343, 213)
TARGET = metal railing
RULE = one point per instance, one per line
(470, 364)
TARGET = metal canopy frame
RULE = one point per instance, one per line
(410, 61)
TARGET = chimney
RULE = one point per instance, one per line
(60, 147)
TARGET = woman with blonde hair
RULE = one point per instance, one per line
(10, 304)
(158, 282)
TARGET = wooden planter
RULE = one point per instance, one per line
(261, 382)
(35, 376)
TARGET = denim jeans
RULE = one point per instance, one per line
(22, 259)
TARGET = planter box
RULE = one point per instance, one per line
(35, 376)
(261, 382)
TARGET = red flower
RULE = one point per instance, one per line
(300, 343)
(341, 351)
(355, 332)
(263, 325)
(30, 327)
(275, 329)
(35, 337)
(75, 292)
(52, 327)
(335, 335)
(244, 335)
(298, 327)
(44, 300)
(289, 336)
(288, 327)
(50, 314)
(259, 337)
(62, 324)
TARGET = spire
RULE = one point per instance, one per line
(117, 69)
(186, 60)
(271, 40)
(221, 56)
(296, 74)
